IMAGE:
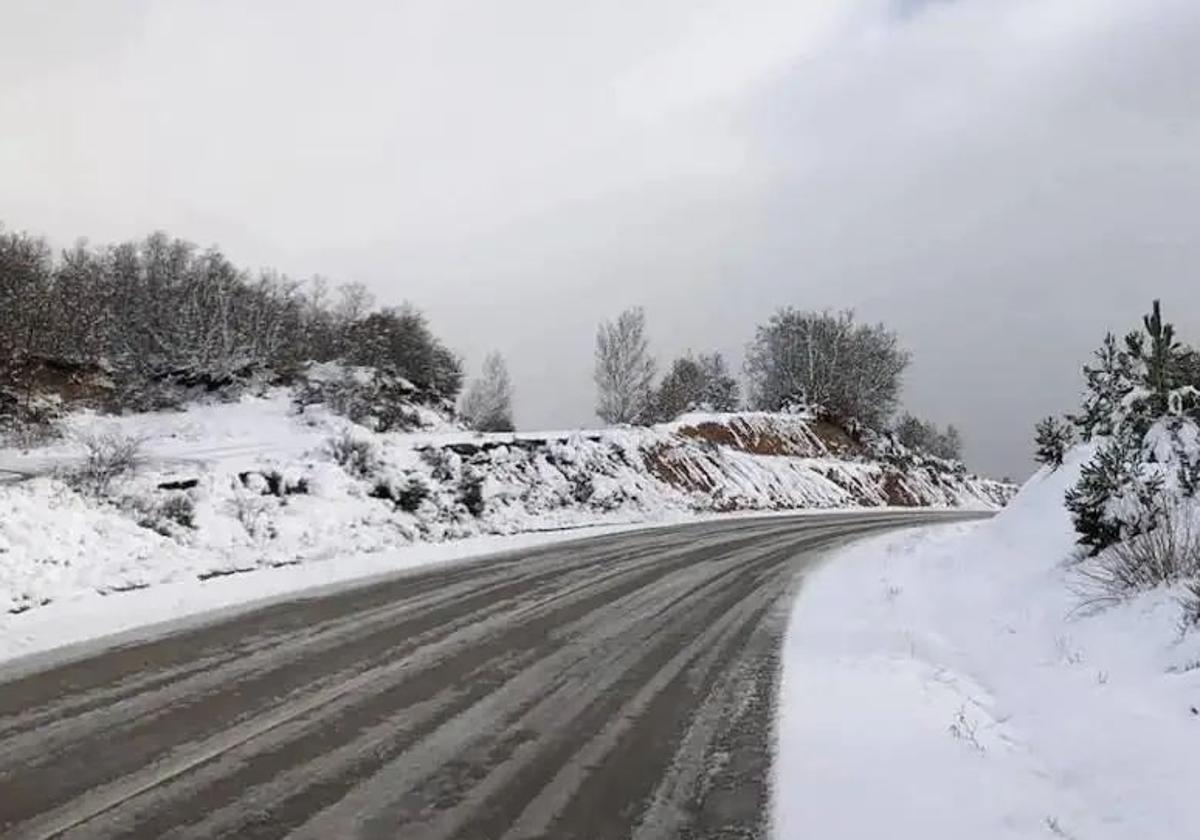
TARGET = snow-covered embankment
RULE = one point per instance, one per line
(944, 683)
(226, 489)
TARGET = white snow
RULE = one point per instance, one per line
(269, 508)
(944, 683)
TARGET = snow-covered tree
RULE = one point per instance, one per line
(159, 315)
(1108, 380)
(487, 404)
(400, 339)
(698, 383)
(1052, 437)
(1143, 406)
(827, 361)
(624, 372)
(925, 436)
(721, 391)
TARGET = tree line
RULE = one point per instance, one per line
(821, 362)
(161, 316)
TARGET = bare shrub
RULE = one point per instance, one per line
(164, 516)
(25, 431)
(254, 513)
(108, 456)
(1166, 553)
(356, 455)
(1190, 601)
(443, 465)
(966, 730)
(470, 492)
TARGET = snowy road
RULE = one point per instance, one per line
(612, 687)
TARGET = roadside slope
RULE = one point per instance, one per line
(267, 483)
(950, 677)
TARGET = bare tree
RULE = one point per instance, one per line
(160, 316)
(487, 404)
(851, 371)
(624, 369)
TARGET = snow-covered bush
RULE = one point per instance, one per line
(443, 463)
(254, 513)
(356, 454)
(168, 515)
(1190, 601)
(470, 491)
(380, 400)
(407, 492)
(412, 494)
(108, 456)
(1167, 552)
(27, 433)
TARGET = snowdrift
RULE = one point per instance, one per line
(269, 482)
(966, 655)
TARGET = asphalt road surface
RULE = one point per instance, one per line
(613, 687)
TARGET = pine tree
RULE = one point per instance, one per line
(1156, 359)
(1123, 491)
(1108, 382)
(1113, 468)
(1052, 437)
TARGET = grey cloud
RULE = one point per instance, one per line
(1000, 181)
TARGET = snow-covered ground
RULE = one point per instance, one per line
(231, 488)
(944, 683)
(236, 501)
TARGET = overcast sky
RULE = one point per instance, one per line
(999, 180)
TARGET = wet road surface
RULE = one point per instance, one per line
(614, 687)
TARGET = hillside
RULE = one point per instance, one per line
(267, 481)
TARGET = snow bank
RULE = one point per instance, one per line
(943, 683)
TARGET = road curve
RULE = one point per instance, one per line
(611, 687)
